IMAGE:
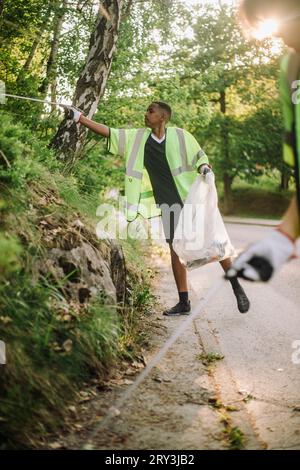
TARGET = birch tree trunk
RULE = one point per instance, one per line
(90, 87)
(53, 90)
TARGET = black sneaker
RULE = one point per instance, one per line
(182, 308)
(242, 299)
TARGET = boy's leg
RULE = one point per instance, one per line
(170, 221)
(180, 275)
(241, 297)
(179, 271)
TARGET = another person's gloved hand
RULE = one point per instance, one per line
(204, 169)
(262, 259)
(74, 113)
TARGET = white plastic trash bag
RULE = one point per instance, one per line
(201, 237)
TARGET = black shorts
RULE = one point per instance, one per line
(170, 221)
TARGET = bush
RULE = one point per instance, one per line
(54, 345)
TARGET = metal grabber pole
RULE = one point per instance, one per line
(27, 98)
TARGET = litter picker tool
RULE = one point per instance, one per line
(27, 98)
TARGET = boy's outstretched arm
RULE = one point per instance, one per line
(78, 117)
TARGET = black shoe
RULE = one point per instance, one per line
(242, 299)
(182, 308)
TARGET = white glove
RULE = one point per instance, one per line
(204, 169)
(74, 113)
(260, 261)
(209, 177)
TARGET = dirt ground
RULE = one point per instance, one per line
(177, 406)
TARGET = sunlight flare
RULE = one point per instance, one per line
(266, 29)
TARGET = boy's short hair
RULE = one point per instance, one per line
(252, 11)
(167, 108)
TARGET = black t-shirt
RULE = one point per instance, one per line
(155, 161)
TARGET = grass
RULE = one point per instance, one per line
(141, 299)
(209, 358)
(262, 199)
(53, 347)
(235, 437)
(54, 344)
(49, 356)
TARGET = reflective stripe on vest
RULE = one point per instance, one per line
(183, 153)
(122, 139)
(291, 151)
(131, 207)
(133, 156)
(199, 155)
(136, 146)
(290, 71)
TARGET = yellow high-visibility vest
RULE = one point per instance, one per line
(290, 96)
(184, 156)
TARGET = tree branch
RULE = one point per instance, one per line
(2, 154)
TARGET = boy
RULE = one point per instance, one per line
(161, 166)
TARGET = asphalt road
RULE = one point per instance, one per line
(256, 386)
(261, 366)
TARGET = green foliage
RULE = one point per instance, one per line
(142, 297)
(10, 251)
(237, 80)
(261, 141)
(54, 345)
(99, 170)
(48, 357)
(221, 88)
(236, 438)
(156, 60)
(259, 200)
(24, 153)
(209, 358)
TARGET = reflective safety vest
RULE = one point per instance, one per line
(290, 96)
(184, 156)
